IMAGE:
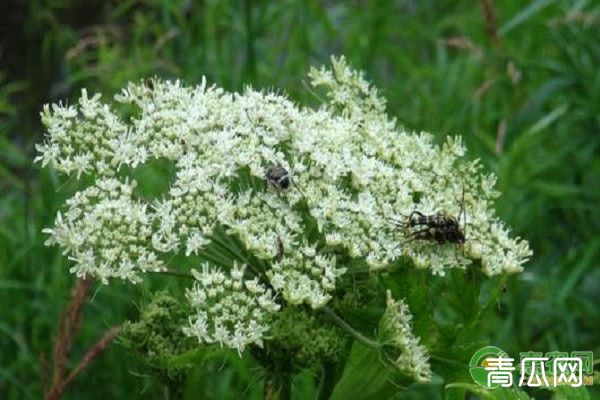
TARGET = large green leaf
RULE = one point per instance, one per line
(570, 393)
(460, 391)
(365, 377)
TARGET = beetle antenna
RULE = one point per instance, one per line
(462, 209)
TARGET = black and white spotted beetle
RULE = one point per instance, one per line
(439, 227)
(278, 177)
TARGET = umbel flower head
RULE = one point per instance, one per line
(231, 311)
(351, 171)
(395, 331)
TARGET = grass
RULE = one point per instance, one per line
(523, 88)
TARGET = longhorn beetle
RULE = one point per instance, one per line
(438, 227)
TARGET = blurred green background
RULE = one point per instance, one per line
(520, 81)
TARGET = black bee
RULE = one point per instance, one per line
(278, 177)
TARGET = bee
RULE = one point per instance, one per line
(278, 177)
(439, 227)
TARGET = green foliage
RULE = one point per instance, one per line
(364, 365)
(461, 390)
(173, 358)
(527, 103)
(157, 337)
(305, 340)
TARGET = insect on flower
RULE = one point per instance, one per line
(280, 250)
(438, 227)
(278, 177)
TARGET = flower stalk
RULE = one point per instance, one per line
(351, 331)
(277, 386)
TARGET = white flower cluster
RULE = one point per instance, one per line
(351, 169)
(87, 138)
(106, 232)
(231, 311)
(305, 277)
(396, 330)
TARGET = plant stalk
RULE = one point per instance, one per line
(353, 332)
(277, 386)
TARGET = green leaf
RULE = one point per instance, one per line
(459, 391)
(570, 393)
(196, 356)
(365, 377)
(577, 272)
(524, 15)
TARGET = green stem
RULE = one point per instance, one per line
(250, 50)
(327, 382)
(277, 386)
(447, 361)
(353, 332)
